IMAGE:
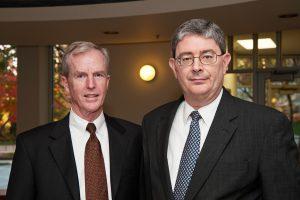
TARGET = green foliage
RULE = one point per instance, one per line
(8, 91)
(296, 128)
(61, 103)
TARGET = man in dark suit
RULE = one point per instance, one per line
(210, 145)
(88, 154)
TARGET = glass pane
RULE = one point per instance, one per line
(285, 97)
(61, 103)
(291, 48)
(242, 51)
(8, 108)
(267, 50)
(239, 85)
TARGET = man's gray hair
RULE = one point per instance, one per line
(201, 27)
(81, 47)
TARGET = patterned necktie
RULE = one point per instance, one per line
(188, 158)
(94, 168)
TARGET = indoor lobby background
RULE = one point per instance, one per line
(263, 38)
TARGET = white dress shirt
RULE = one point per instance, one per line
(180, 130)
(79, 137)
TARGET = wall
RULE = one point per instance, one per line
(33, 87)
(129, 97)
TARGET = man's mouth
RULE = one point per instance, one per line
(91, 95)
(198, 79)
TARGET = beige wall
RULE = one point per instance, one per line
(33, 87)
(129, 97)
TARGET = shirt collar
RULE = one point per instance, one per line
(81, 124)
(207, 112)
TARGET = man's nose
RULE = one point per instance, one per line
(197, 65)
(90, 82)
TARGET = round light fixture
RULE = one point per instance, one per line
(147, 72)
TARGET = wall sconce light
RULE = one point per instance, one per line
(147, 72)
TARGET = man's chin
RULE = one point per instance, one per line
(93, 108)
(199, 92)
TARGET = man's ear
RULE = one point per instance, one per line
(173, 66)
(107, 83)
(64, 83)
(226, 61)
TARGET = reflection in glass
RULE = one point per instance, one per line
(239, 85)
(285, 97)
(267, 50)
(265, 61)
(291, 60)
(242, 52)
(291, 48)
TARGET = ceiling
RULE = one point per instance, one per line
(140, 21)
(42, 3)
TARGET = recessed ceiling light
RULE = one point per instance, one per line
(263, 43)
(111, 32)
(288, 15)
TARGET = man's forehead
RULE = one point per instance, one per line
(192, 43)
(77, 67)
(88, 68)
(193, 37)
(87, 53)
(90, 55)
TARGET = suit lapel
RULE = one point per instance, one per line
(117, 146)
(163, 132)
(219, 135)
(62, 152)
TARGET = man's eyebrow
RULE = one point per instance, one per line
(207, 50)
(79, 72)
(184, 53)
(95, 72)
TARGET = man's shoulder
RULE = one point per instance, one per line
(163, 109)
(118, 122)
(38, 133)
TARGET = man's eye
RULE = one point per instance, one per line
(184, 59)
(207, 56)
(80, 76)
(99, 75)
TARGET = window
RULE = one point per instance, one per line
(285, 97)
(291, 48)
(267, 50)
(239, 85)
(8, 107)
(60, 102)
(242, 52)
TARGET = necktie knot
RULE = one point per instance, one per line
(195, 115)
(91, 128)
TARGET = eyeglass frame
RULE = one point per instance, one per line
(178, 59)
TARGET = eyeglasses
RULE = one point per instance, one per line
(207, 58)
